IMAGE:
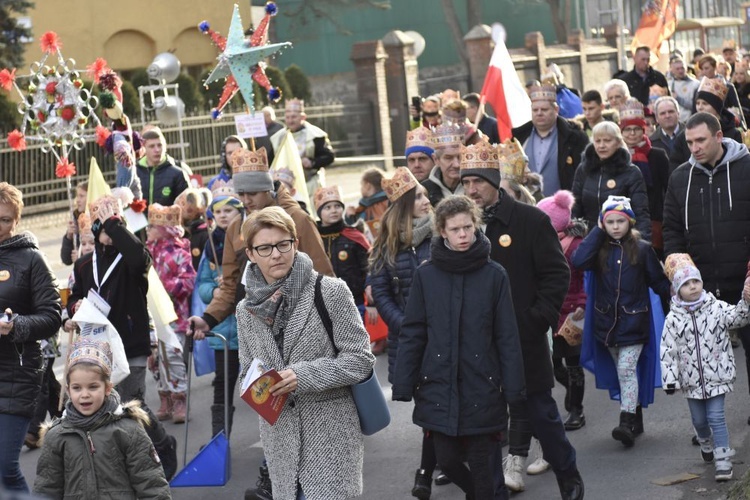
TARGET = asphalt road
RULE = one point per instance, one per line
(391, 457)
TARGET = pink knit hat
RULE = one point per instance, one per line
(558, 208)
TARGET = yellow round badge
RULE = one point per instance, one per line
(4, 275)
(611, 184)
(343, 255)
(196, 252)
(505, 240)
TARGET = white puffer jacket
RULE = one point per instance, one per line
(696, 355)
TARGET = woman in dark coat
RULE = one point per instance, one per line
(606, 170)
(30, 300)
(460, 354)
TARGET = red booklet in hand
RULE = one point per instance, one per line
(256, 391)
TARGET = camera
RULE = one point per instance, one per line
(416, 101)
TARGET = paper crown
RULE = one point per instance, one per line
(88, 350)
(715, 86)
(513, 160)
(296, 105)
(446, 136)
(96, 206)
(159, 215)
(420, 137)
(480, 155)
(632, 110)
(549, 79)
(284, 175)
(201, 197)
(401, 182)
(244, 160)
(675, 262)
(325, 194)
(543, 93)
(221, 187)
(84, 224)
(454, 111)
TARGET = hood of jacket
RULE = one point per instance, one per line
(590, 161)
(22, 240)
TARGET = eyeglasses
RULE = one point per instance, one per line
(266, 250)
(632, 130)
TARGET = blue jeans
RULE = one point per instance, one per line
(13, 430)
(708, 415)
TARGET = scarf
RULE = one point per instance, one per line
(86, 423)
(690, 306)
(273, 303)
(489, 212)
(449, 260)
(421, 229)
(639, 156)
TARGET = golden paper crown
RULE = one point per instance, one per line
(675, 262)
(513, 160)
(295, 105)
(202, 197)
(401, 182)
(543, 93)
(480, 155)
(159, 215)
(96, 206)
(84, 224)
(446, 136)
(632, 110)
(325, 194)
(244, 160)
(420, 137)
(88, 350)
(284, 175)
(222, 188)
(715, 86)
(549, 79)
(454, 111)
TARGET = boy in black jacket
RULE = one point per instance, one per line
(118, 271)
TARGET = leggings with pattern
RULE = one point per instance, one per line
(626, 359)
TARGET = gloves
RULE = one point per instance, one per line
(670, 389)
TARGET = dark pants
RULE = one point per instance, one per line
(547, 426)
(429, 460)
(13, 430)
(477, 481)
(519, 429)
(744, 334)
(233, 372)
(134, 387)
(48, 399)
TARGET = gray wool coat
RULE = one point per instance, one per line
(317, 440)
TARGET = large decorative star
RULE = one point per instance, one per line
(241, 59)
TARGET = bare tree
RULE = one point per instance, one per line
(558, 10)
(309, 11)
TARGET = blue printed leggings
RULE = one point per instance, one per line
(626, 359)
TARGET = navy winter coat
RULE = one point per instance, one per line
(390, 289)
(622, 301)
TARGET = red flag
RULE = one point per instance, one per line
(503, 87)
(658, 23)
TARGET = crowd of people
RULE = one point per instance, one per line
(611, 238)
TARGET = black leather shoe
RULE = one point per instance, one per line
(575, 420)
(422, 485)
(571, 485)
(442, 480)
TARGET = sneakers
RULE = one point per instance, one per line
(707, 450)
(539, 465)
(512, 467)
(263, 489)
(422, 485)
(723, 464)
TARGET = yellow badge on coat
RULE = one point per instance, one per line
(569, 160)
(505, 240)
(611, 184)
(343, 255)
(196, 252)
(4, 275)
(212, 266)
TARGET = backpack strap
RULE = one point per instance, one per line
(323, 312)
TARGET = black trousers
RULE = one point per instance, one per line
(48, 399)
(233, 373)
(477, 481)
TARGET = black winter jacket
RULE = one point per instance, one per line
(622, 300)
(707, 214)
(571, 141)
(390, 289)
(616, 176)
(527, 246)
(29, 288)
(125, 289)
(161, 184)
(639, 88)
(348, 258)
(459, 354)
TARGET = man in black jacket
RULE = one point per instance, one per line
(667, 112)
(162, 179)
(552, 143)
(526, 245)
(643, 76)
(487, 125)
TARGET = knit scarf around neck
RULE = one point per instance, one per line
(639, 156)
(449, 260)
(421, 230)
(86, 423)
(690, 306)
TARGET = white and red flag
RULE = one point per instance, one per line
(503, 90)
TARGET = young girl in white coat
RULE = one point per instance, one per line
(697, 357)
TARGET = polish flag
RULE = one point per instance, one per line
(504, 91)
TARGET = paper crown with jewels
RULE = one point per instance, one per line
(715, 86)
(513, 160)
(675, 262)
(221, 187)
(84, 224)
(632, 110)
(159, 215)
(401, 182)
(326, 194)
(96, 206)
(295, 105)
(481, 160)
(284, 175)
(447, 135)
(88, 350)
(543, 93)
(420, 140)
(245, 160)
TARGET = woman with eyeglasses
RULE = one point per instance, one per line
(315, 449)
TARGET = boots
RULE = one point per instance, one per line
(167, 451)
(165, 410)
(512, 467)
(422, 485)
(179, 408)
(624, 431)
(723, 463)
(570, 484)
(575, 419)
(263, 487)
(638, 423)
(217, 420)
(707, 450)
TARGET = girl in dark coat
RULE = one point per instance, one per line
(624, 267)
(460, 354)
(402, 245)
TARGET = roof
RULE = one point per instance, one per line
(711, 22)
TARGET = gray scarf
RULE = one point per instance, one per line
(273, 303)
(80, 421)
(421, 230)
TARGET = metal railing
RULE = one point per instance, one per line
(33, 171)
